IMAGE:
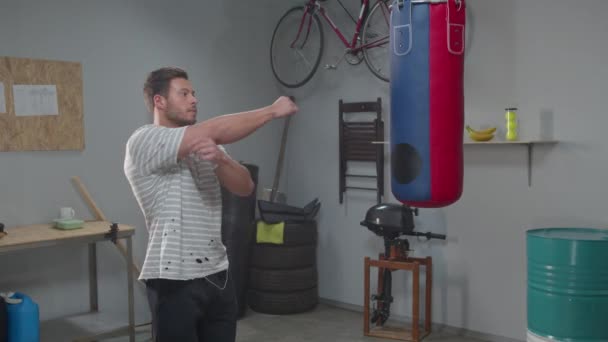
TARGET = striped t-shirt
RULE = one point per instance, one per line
(181, 203)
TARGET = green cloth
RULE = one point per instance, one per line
(270, 233)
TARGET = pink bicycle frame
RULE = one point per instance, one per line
(310, 6)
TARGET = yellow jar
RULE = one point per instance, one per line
(511, 117)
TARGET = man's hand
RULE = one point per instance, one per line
(206, 149)
(283, 107)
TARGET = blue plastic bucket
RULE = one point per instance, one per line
(23, 319)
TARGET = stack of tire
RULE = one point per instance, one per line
(238, 232)
(283, 277)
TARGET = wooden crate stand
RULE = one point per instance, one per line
(413, 265)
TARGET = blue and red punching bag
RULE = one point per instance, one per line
(427, 43)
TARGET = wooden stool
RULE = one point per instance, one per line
(407, 264)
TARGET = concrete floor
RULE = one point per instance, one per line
(325, 323)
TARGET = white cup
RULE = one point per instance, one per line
(66, 213)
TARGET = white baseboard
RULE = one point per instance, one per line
(436, 326)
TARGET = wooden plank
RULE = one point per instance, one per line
(359, 124)
(359, 131)
(359, 158)
(360, 139)
(372, 155)
(394, 265)
(392, 333)
(361, 146)
(395, 333)
(89, 199)
(359, 107)
(416, 303)
(102, 217)
(366, 296)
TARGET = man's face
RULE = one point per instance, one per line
(180, 104)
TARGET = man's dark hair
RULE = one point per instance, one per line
(158, 82)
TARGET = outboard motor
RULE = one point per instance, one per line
(391, 221)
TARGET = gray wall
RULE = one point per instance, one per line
(541, 56)
(118, 42)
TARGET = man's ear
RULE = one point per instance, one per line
(159, 101)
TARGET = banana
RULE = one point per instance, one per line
(480, 135)
(482, 131)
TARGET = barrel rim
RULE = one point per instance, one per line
(535, 233)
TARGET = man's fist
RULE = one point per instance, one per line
(283, 106)
(206, 149)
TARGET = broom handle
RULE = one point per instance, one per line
(277, 174)
(101, 217)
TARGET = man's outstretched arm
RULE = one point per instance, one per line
(230, 128)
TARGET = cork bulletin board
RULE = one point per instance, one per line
(41, 105)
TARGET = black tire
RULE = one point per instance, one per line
(317, 60)
(283, 303)
(268, 256)
(299, 233)
(283, 280)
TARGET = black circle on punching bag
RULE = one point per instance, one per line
(406, 163)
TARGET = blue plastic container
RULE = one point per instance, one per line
(23, 320)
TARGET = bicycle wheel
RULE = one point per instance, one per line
(375, 40)
(296, 47)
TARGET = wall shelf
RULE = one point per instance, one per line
(529, 143)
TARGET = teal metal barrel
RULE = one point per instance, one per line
(567, 295)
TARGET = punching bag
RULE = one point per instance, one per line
(427, 41)
(238, 231)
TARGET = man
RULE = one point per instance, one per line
(175, 167)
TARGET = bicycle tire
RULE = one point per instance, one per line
(364, 36)
(317, 59)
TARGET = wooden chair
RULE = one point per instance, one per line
(357, 144)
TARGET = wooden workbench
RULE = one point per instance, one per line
(43, 235)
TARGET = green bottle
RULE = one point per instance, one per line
(511, 116)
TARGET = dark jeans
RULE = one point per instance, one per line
(193, 310)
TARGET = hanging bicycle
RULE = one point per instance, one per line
(297, 42)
